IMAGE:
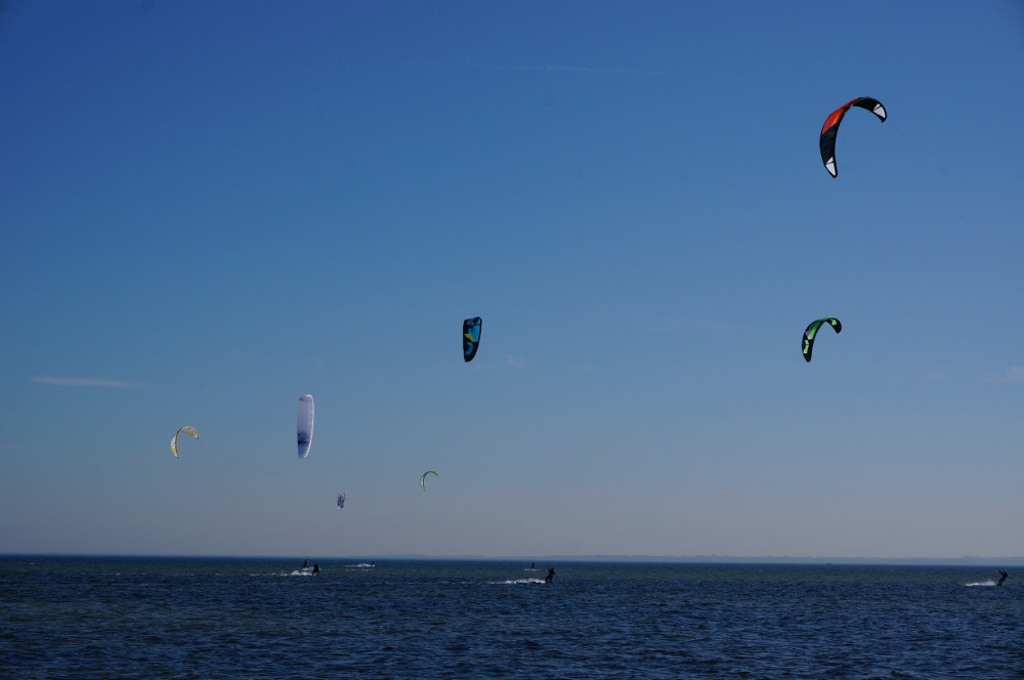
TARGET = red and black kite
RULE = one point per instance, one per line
(831, 128)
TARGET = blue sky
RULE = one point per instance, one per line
(211, 208)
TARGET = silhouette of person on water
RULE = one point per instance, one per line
(305, 564)
(1002, 577)
(316, 568)
(551, 575)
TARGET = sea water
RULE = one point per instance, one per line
(94, 618)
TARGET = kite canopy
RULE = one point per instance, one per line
(827, 141)
(424, 478)
(812, 330)
(341, 501)
(305, 424)
(174, 440)
(471, 337)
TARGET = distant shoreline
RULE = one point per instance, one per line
(625, 559)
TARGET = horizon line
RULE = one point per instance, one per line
(968, 560)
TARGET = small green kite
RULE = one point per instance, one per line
(812, 330)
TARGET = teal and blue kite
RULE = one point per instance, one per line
(471, 337)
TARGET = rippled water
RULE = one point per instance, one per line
(95, 618)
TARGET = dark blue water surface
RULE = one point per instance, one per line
(94, 618)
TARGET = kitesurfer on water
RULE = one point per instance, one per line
(551, 575)
(1002, 577)
(316, 568)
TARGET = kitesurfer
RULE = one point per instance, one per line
(1002, 577)
(316, 568)
(305, 564)
(551, 575)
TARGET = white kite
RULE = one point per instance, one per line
(174, 440)
(305, 424)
